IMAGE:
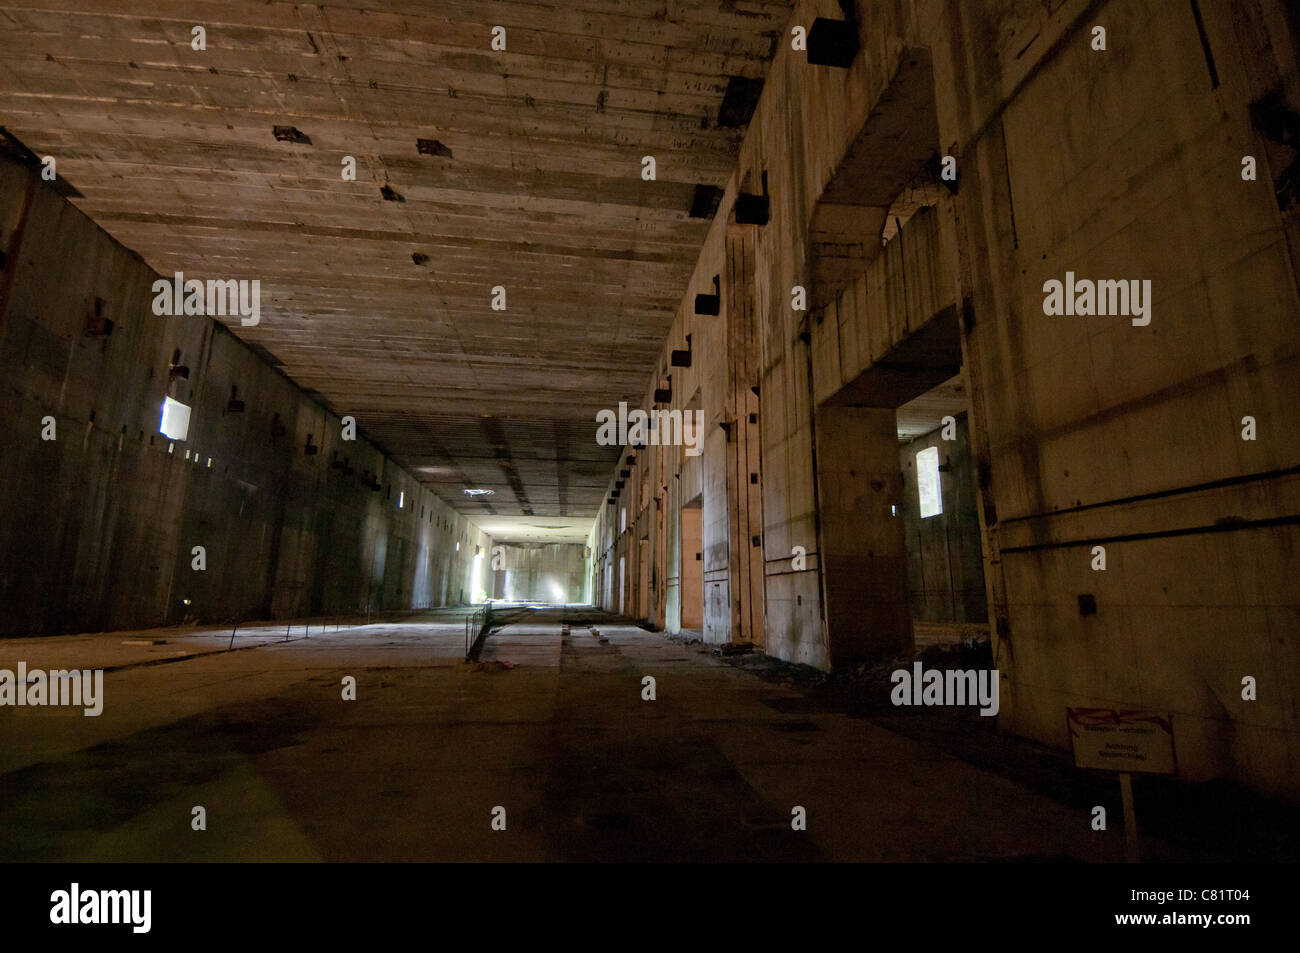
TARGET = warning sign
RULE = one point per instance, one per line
(1110, 740)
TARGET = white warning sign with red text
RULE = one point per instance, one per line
(1118, 740)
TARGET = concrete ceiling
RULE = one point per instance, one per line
(382, 306)
(924, 414)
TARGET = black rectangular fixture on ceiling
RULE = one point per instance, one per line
(96, 324)
(834, 42)
(291, 134)
(705, 202)
(682, 358)
(753, 209)
(710, 304)
(432, 147)
(664, 395)
(739, 102)
(934, 166)
(624, 473)
(618, 484)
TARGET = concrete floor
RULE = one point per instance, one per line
(554, 730)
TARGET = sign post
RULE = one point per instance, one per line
(1131, 853)
(1124, 741)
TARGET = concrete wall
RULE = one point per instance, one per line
(1099, 432)
(1116, 164)
(100, 523)
(539, 572)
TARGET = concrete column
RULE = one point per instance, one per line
(862, 545)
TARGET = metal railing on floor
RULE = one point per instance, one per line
(322, 624)
(477, 624)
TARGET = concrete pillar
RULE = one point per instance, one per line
(864, 558)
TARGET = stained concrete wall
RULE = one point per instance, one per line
(101, 522)
(1116, 164)
(540, 572)
(1102, 433)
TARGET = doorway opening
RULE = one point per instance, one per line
(692, 567)
(861, 481)
(643, 586)
(939, 513)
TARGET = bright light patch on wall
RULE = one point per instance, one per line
(458, 547)
(927, 482)
(401, 498)
(175, 424)
(476, 579)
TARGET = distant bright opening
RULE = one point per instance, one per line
(175, 424)
(927, 482)
(476, 579)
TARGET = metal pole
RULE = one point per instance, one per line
(1130, 819)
